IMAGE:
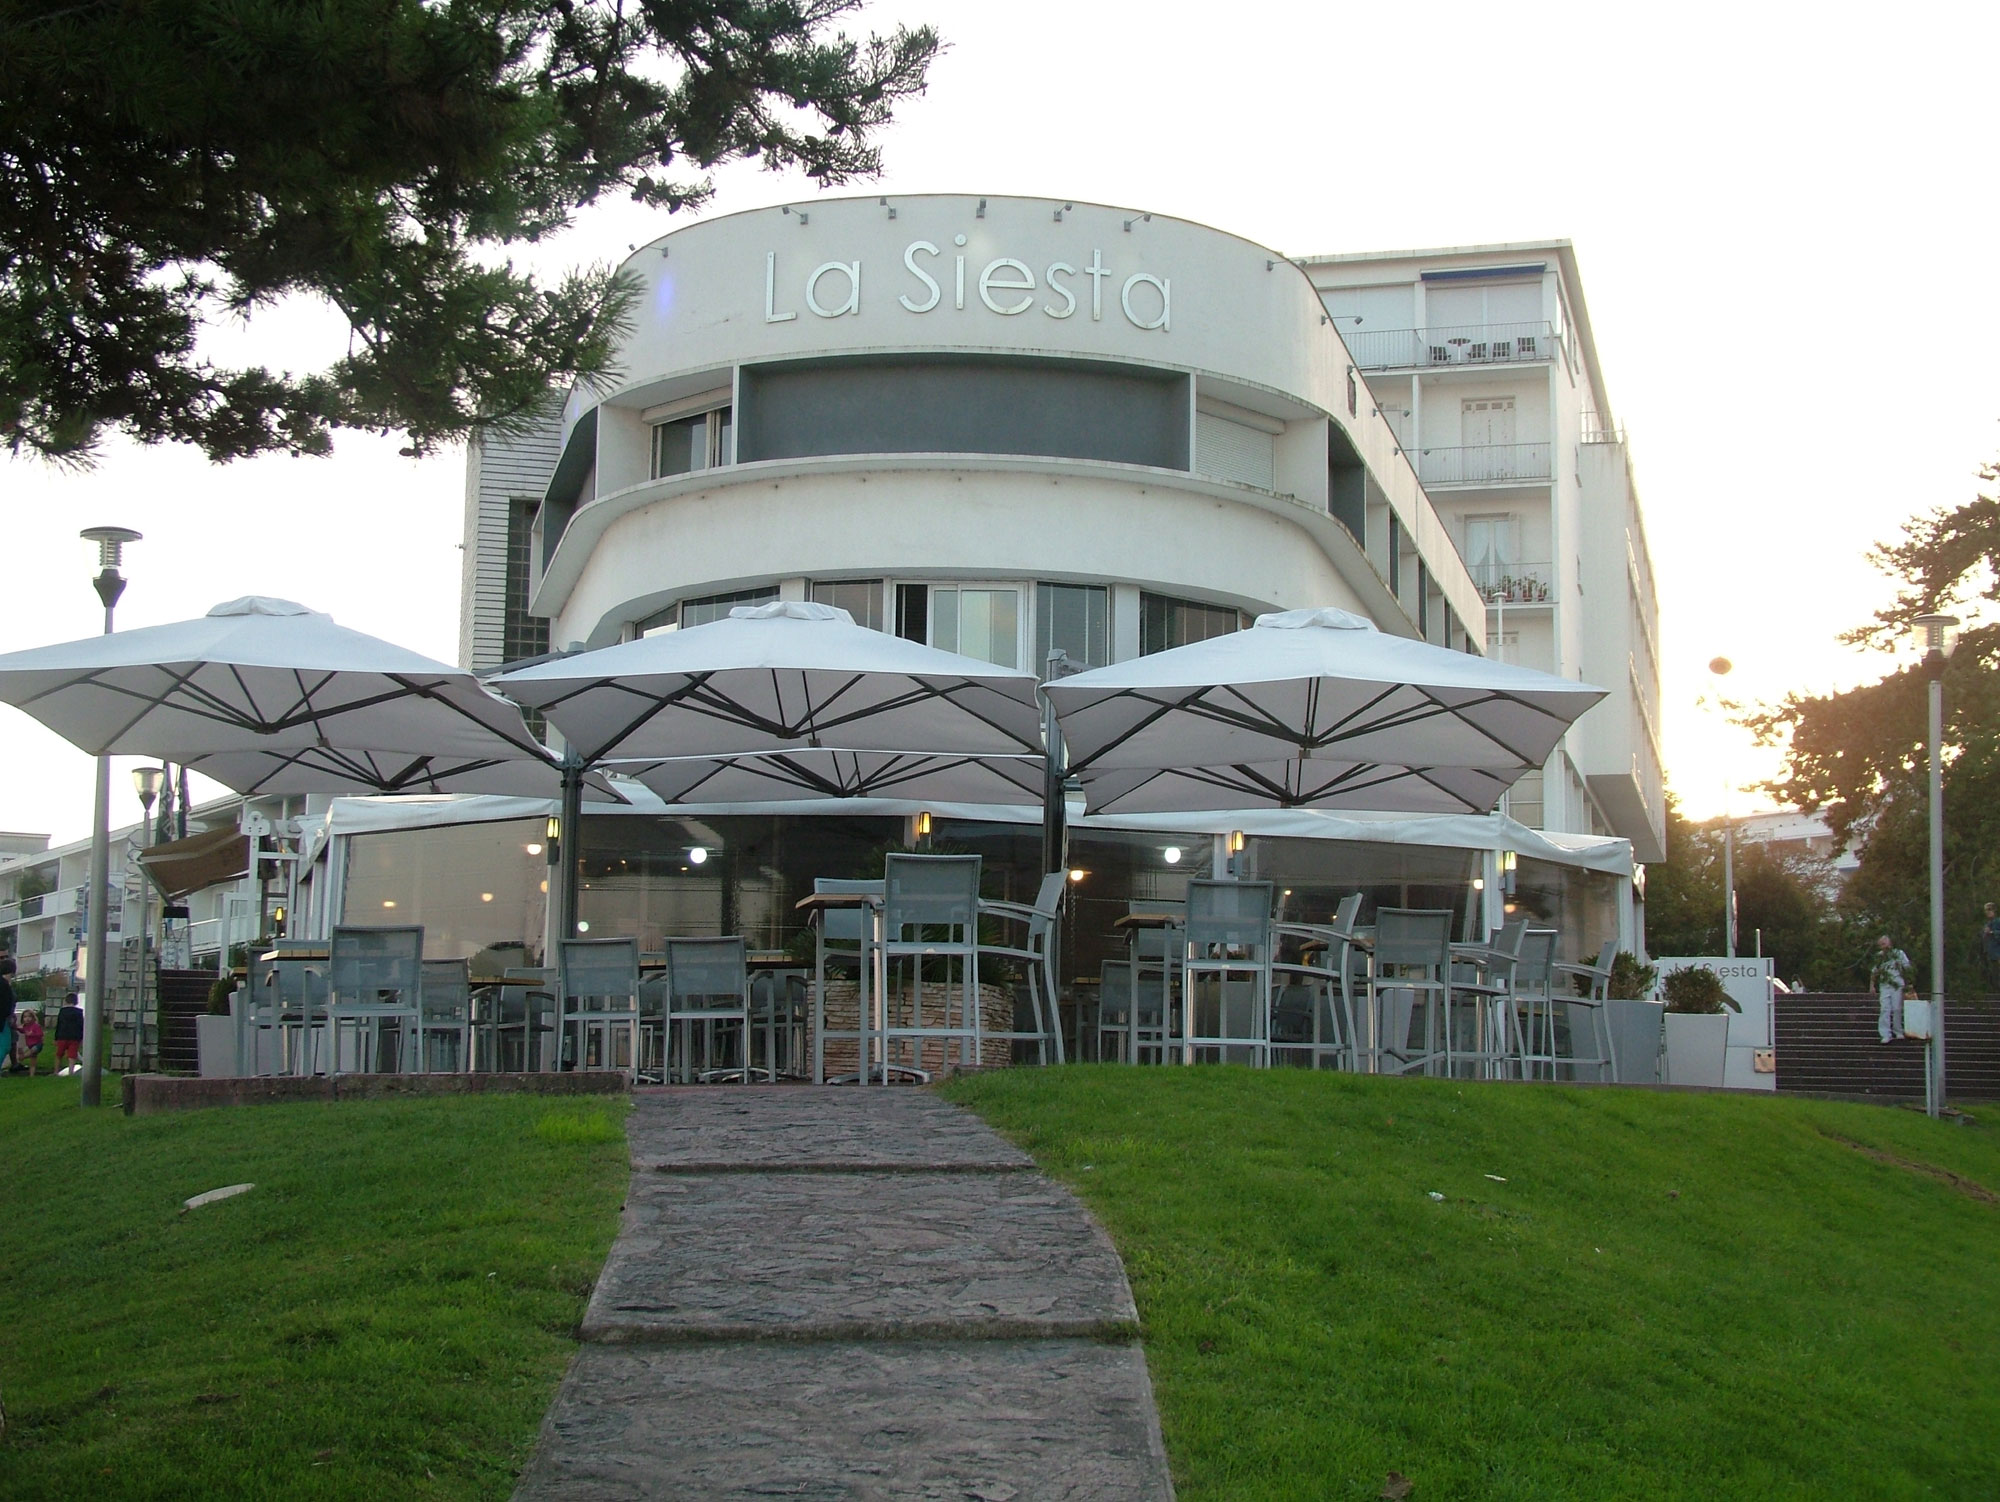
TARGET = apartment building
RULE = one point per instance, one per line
(1479, 360)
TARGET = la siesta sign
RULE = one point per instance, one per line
(1005, 285)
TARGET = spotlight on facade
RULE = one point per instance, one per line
(1171, 855)
(1077, 874)
(697, 855)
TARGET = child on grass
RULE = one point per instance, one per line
(69, 1035)
(28, 1045)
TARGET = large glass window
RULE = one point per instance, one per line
(700, 441)
(700, 612)
(860, 598)
(980, 621)
(1074, 619)
(475, 889)
(972, 404)
(1166, 622)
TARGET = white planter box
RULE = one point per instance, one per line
(1697, 1048)
(1635, 1040)
(215, 1043)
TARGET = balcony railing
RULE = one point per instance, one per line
(1452, 344)
(1514, 583)
(1484, 464)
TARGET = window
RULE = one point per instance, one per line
(1166, 622)
(1074, 619)
(1489, 548)
(700, 612)
(700, 441)
(521, 634)
(860, 598)
(1225, 449)
(1395, 555)
(942, 404)
(980, 622)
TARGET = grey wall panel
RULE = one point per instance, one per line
(972, 405)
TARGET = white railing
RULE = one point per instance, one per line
(1484, 464)
(1450, 344)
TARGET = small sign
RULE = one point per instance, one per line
(1764, 1061)
(1916, 1018)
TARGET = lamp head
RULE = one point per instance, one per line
(1935, 636)
(146, 782)
(110, 544)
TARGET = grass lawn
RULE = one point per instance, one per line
(386, 1315)
(1658, 1296)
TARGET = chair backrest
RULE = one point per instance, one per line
(1114, 993)
(1230, 914)
(1049, 898)
(447, 990)
(1534, 970)
(262, 995)
(365, 963)
(598, 967)
(931, 891)
(1418, 937)
(844, 924)
(706, 977)
(519, 991)
(1347, 912)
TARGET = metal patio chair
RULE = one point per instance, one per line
(930, 920)
(373, 980)
(1409, 986)
(445, 999)
(1035, 950)
(708, 982)
(1227, 940)
(1588, 1012)
(1312, 1004)
(521, 1023)
(597, 999)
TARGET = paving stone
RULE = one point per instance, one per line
(781, 1256)
(803, 1129)
(990, 1421)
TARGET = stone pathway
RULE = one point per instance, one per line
(844, 1296)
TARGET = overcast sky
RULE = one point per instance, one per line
(1783, 216)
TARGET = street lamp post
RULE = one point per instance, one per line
(146, 782)
(109, 584)
(1936, 639)
(1719, 667)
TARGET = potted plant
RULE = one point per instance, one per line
(1632, 1018)
(215, 1031)
(1696, 1026)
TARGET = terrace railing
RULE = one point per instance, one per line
(1450, 344)
(1484, 464)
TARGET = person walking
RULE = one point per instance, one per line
(69, 1036)
(1890, 973)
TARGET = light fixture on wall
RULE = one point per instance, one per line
(1236, 842)
(697, 855)
(1171, 855)
(1077, 874)
(923, 825)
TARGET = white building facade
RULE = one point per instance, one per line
(1481, 364)
(1010, 428)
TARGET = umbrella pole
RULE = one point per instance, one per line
(572, 840)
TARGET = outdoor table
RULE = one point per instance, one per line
(871, 1017)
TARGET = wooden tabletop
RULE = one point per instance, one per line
(1150, 920)
(815, 901)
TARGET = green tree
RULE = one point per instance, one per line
(166, 165)
(1785, 898)
(1862, 755)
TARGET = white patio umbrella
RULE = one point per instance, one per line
(1306, 687)
(782, 776)
(787, 676)
(779, 676)
(267, 696)
(1298, 783)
